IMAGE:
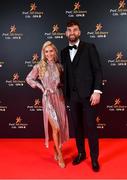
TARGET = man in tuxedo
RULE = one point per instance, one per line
(83, 89)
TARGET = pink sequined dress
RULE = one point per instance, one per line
(52, 99)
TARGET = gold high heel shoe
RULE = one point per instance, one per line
(61, 162)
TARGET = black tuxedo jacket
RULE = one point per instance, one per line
(87, 70)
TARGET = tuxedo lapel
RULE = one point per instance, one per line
(77, 55)
(67, 56)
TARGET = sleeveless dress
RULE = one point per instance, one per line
(52, 100)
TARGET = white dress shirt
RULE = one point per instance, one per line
(73, 51)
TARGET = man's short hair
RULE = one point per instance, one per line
(72, 23)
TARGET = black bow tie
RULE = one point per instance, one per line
(71, 47)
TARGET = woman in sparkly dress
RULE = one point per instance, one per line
(46, 76)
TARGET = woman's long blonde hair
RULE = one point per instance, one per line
(43, 62)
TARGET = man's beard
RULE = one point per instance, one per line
(74, 39)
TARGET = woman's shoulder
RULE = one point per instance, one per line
(36, 66)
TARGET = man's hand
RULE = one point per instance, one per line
(95, 98)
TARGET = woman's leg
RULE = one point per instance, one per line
(57, 143)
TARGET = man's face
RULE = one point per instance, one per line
(73, 33)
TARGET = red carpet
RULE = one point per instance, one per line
(29, 159)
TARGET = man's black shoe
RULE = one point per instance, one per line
(79, 158)
(95, 166)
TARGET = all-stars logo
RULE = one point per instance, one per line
(18, 120)
(33, 7)
(118, 60)
(12, 34)
(15, 77)
(55, 33)
(33, 12)
(99, 123)
(76, 11)
(98, 27)
(122, 4)
(119, 56)
(18, 124)
(77, 6)
(13, 29)
(98, 32)
(117, 105)
(34, 60)
(120, 10)
(117, 102)
(36, 105)
(15, 81)
(37, 102)
(55, 28)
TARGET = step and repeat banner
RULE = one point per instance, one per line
(26, 25)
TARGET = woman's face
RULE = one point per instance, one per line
(49, 53)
